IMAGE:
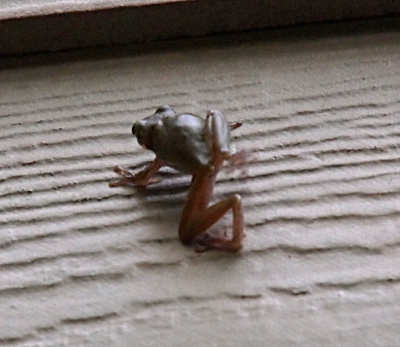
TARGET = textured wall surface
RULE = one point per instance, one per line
(85, 265)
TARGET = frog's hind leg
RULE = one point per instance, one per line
(211, 215)
(197, 217)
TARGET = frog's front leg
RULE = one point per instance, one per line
(140, 179)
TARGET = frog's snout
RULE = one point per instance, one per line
(142, 133)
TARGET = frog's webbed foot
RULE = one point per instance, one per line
(126, 180)
(141, 179)
(206, 241)
(235, 125)
(238, 160)
(130, 179)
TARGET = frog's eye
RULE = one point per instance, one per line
(163, 108)
(133, 129)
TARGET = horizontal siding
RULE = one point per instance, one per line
(83, 264)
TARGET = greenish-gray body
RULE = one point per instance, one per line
(180, 142)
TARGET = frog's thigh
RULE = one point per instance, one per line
(217, 131)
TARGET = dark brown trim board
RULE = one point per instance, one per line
(56, 27)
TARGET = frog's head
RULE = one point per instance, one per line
(144, 129)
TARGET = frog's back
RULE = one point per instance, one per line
(180, 141)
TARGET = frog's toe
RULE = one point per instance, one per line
(122, 172)
(205, 242)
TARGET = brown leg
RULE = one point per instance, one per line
(197, 218)
(211, 215)
(140, 179)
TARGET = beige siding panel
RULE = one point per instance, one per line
(85, 265)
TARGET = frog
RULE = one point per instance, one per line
(200, 147)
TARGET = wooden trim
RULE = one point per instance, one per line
(51, 28)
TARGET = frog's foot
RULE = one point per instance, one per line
(238, 160)
(128, 178)
(235, 125)
(206, 241)
(122, 172)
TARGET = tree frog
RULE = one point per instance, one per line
(198, 146)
